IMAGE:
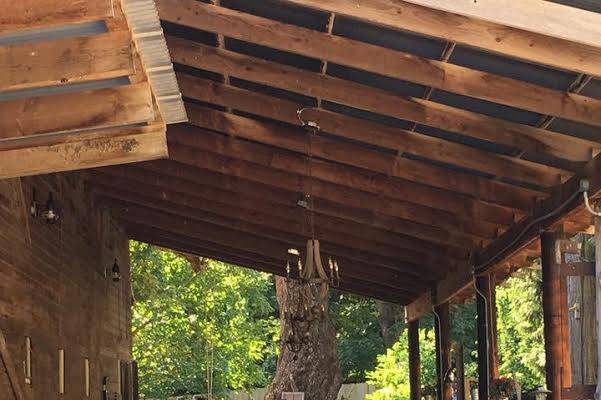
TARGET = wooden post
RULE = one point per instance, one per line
(414, 360)
(493, 353)
(460, 371)
(598, 295)
(483, 345)
(443, 353)
(551, 261)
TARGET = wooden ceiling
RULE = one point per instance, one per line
(443, 138)
(76, 89)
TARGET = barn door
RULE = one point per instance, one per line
(579, 328)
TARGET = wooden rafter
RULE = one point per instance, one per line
(457, 233)
(489, 36)
(543, 17)
(258, 243)
(238, 256)
(29, 14)
(566, 201)
(176, 182)
(386, 62)
(379, 101)
(65, 61)
(358, 129)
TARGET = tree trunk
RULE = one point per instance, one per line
(313, 369)
(388, 315)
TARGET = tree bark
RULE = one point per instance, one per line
(388, 315)
(313, 369)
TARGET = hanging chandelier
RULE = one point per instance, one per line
(315, 279)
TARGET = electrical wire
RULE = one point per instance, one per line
(478, 269)
(588, 205)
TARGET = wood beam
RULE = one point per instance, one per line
(380, 60)
(246, 259)
(488, 36)
(259, 187)
(523, 137)
(565, 202)
(29, 14)
(414, 361)
(258, 223)
(545, 18)
(122, 105)
(324, 148)
(347, 177)
(255, 243)
(361, 130)
(597, 223)
(551, 262)
(66, 61)
(256, 197)
(90, 153)
(250, 152)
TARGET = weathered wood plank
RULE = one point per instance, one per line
(28, 14)
(589, 331)
(383, 61)
(122, 105)
(379, 101)
(546, 18)
(85, 154)
(361, 130)
(66, 61)
(512, 42)
(11, 371)
(575, 322)
(598, 296)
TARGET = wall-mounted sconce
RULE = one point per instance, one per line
(47, 213)
(115, 272)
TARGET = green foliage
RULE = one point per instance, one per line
(358, 333)
(188, 323)
(520, 325)
(392, 373)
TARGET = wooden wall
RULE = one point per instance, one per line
(53, 288)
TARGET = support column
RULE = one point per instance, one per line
(414, 360)
(443, 351)
(460, 371)
(483, 344)
(551, 260)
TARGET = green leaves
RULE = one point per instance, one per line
(189, 326)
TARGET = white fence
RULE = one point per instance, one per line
(355, 391)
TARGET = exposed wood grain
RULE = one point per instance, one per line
(414, 360)
(85, 154)
(237, 256)
(28, 14)
(512, 42)
(10, 369)
(383, 61)
(598, 296)
(66, 61)
(589, 332)
(256, 198)
(379, 101)
(123, 105)
(546, 18)
(361, 130)
(575, 321)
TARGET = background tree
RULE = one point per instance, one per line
(192, 328)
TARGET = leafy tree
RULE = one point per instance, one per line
(392, 373)
(358, 333)
(520, 326)
(199, 330)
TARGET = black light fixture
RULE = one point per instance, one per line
(116, 272)
(47, 213)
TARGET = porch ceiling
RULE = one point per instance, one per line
(442, 138)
